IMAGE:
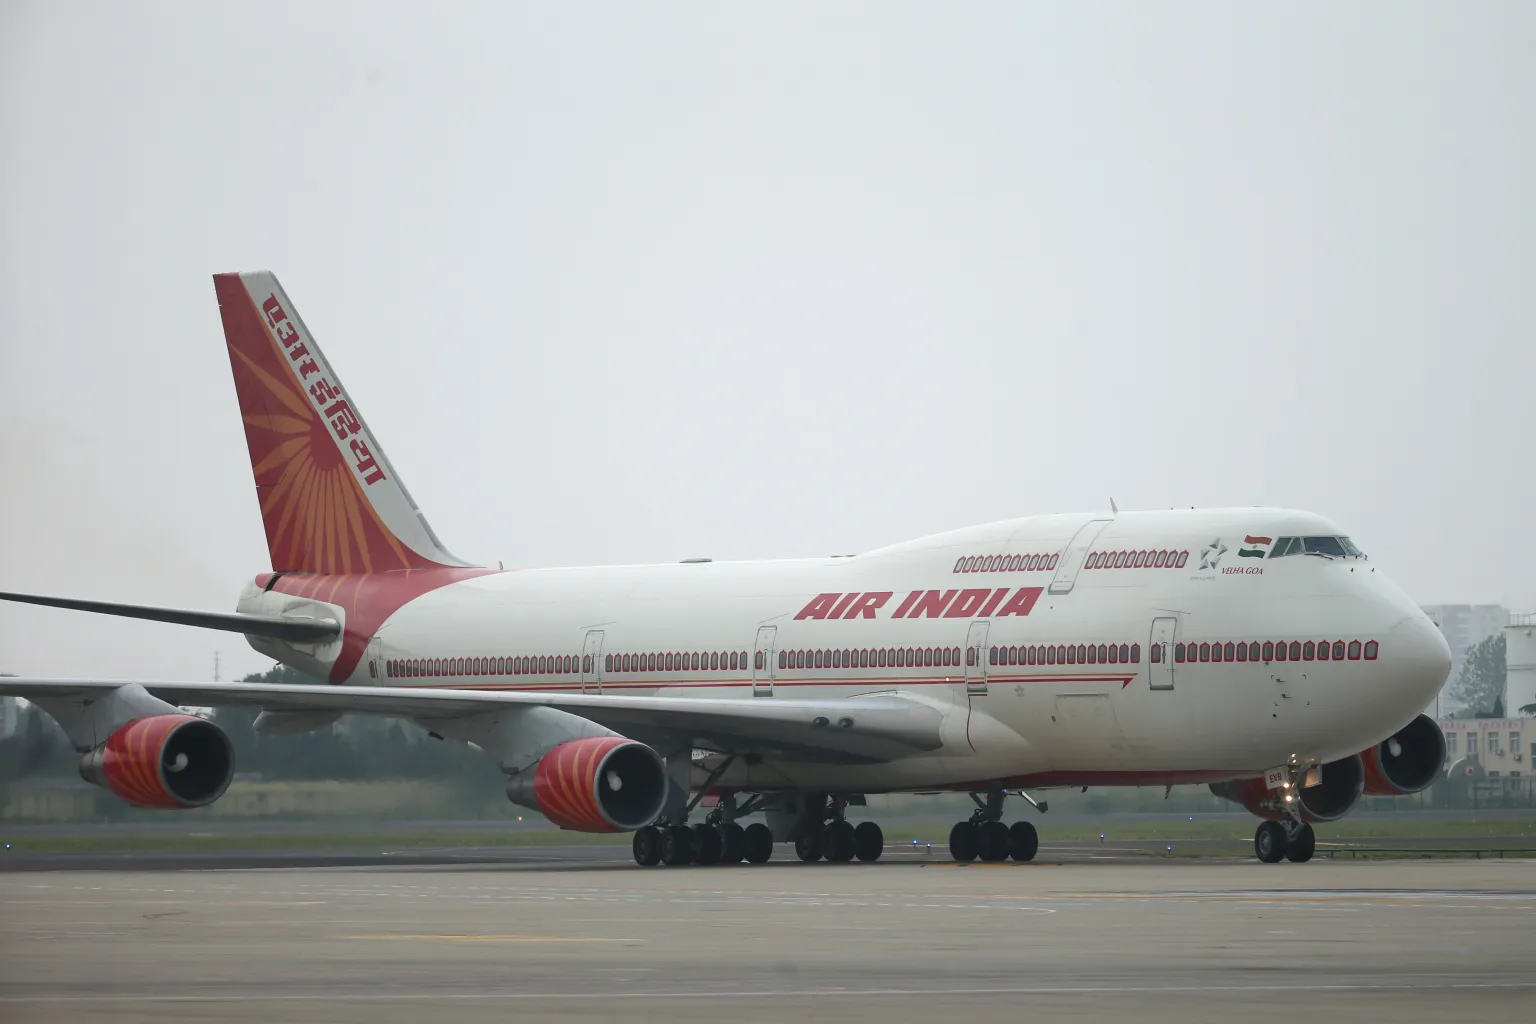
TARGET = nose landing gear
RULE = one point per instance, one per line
(1289, 838)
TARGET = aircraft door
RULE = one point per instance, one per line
(592, 662)
(976, 659)
(1077, 551)
(763, 663)
(1160, 652)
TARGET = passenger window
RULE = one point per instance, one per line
(1308, 650)
(1125, 653)
(1155, 654)
(1295, 650)
(1183, 558)
(1229, 652)
(1371, 648)
(1135, 654)
(1354, 650)
(1338, 650)
(1242, 652)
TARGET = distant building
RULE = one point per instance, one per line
(1519, 664)
(1463, 626)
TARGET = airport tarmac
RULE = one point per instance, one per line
(903, 939)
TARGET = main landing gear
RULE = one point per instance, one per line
(718, 839)
(985, 837)
(840, 841)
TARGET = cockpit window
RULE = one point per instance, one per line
(1328, 547)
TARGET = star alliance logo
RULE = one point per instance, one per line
(1210, 558)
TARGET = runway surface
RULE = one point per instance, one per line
(1123, 940)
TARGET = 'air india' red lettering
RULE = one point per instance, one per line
(906, 602)
(1022, 603)
(820, 605)
(993, 602)
(933, 604)
(966, 604)
(837, 609)
(867, 604)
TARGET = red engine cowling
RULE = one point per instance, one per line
(1406, 762)
(1332, 798)
(169, 762)
(597, 784)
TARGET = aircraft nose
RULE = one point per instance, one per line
(1420, 660)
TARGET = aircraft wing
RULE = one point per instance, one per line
(855, 730)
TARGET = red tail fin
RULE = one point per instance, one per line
(330, 500)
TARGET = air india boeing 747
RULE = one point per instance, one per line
(1258, 651)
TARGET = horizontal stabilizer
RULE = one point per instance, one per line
(275, 627)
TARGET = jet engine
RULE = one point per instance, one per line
(168, 762)
(596, 784)
(1407, 761)
(1335, 794)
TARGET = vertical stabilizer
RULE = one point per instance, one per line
(330, 500)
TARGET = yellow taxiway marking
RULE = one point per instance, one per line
(481, 938)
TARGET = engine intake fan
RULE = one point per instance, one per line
(597, 784)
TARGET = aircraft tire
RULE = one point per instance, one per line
(1300, 847)
(1269, 842)
(708, 844)
(808, 846)
(992, 842)
(757, 843)
(838, 842)
(732, 843)
(1023, 842)
(647, 846)
(868, 841)
(677, 846)
(962, 842)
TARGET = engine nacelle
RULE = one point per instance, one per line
(1332, 798)
(169, 762)
(1406, 762)
(596, 784)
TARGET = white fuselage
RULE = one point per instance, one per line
(1051, 670)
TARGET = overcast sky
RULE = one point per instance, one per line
(648, 281)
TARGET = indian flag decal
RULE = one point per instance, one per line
(1255, 547)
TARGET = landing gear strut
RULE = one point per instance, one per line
(985, 836)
